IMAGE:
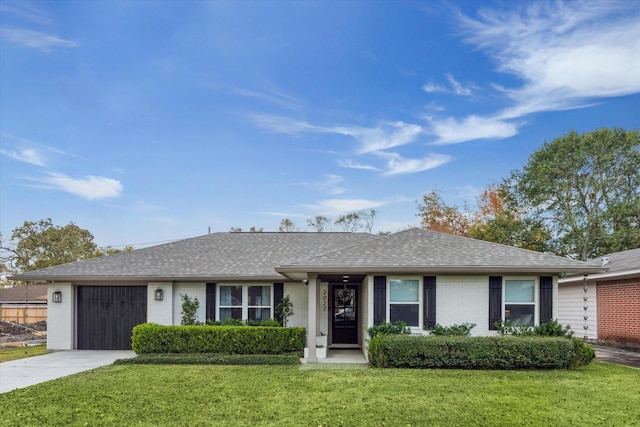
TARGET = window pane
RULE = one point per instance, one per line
(409, 313)
(259, 313)
(259, 295)
(231, 295)
(519, 314)
(230, 313)
(519, 290)
(403, 290)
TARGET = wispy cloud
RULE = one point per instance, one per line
(28, 12)
(397, 165)
(335, 207)
(35, 39)
(454, 87)
(453, 131)
(90, 187)
(278, 98)
(568, 54)
(26, 155)
(348, 163)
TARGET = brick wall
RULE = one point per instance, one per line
(619, 310)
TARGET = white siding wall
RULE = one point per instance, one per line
(60, 325)
(161, 312)
(299, 297)
(461, 299)
(571, 309)
(194, 290)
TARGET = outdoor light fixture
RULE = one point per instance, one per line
(306, 282)
(158, 294)
(56, 296)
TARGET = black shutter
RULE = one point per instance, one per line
(210, 310)
(278, 294)
(379, 299)
(429, 307)
(546, 299)
(495, 301)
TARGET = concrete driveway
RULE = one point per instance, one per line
(34, 370)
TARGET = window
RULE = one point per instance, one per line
(404, 301)
(520, 301)
(245, 302)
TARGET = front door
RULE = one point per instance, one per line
(344, 300)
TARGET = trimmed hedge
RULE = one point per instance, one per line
(453, 352)
(153, 338)
(211, 359)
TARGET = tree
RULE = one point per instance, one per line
(586, 188)
(356, 221)
(41, 244)
(108, 250)
(319, 223)
(436, 215)
(287, 226)
(496, 221)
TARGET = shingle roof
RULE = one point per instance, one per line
(264, 256)
(213, 256)
(625, 260)
(32, 293)
(417, 249)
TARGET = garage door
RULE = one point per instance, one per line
(106, 315)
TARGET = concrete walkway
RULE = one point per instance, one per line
(34, 370)
(617, 356)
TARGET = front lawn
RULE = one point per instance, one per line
(14, 353)
(152, 395)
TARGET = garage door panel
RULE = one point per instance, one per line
(106, 315)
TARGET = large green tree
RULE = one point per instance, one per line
(586, 188)
(42, 244)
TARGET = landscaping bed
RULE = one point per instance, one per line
(11, 332)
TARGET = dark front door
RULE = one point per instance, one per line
(344, 300)
(106, 315)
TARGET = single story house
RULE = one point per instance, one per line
(23, 304)
(340, 285)
(607, 303)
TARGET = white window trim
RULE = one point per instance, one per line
(420, 300)
(536, 296)
(245, 299)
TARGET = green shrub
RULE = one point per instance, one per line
(462, 330)
(153, 338)
(397, 327)
(401, 351)
(212, 359)
(189, 310)
(582, 354)
(549, 329)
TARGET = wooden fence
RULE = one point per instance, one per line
(24, 314)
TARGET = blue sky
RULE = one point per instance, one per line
(152, 121)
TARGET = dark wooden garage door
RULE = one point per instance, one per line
(106, 315)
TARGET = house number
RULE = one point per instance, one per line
(324, 300)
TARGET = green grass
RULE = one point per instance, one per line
(152, 395)
(15, 353)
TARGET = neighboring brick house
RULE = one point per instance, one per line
(340, 285)
(612, 301)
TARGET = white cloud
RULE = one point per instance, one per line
(453, 131)
(274, 97)
(454, 87)
(27, 155)
(90, 188)
(28, 12)
(335, 207)
(35, 39)
(396, 164)
(347, 163)
(567, 54)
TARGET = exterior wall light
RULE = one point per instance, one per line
(56, 296)
(158, 294)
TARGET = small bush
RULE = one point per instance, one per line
(462, 330)
(553, 329)
(211, 359)
(153, 338)
(189, 310)
(397, 327)
(582, 354)
(401, 351)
